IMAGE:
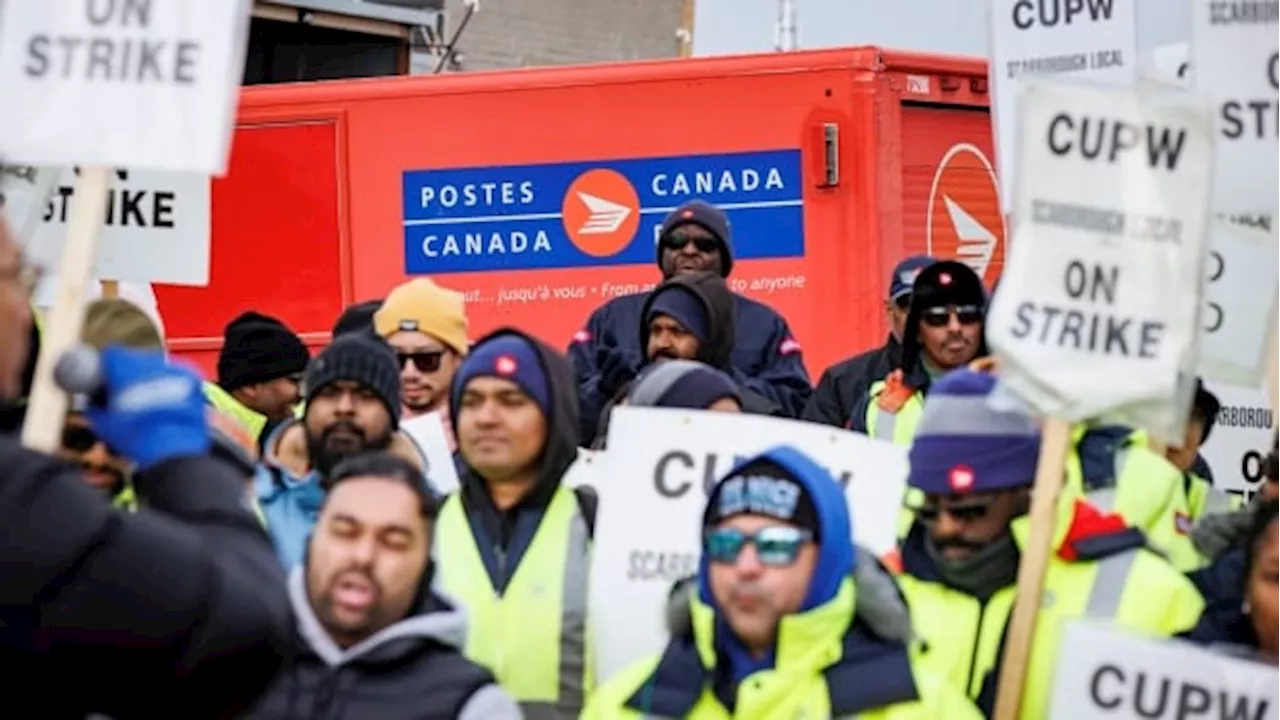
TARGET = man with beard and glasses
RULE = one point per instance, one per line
(973, 467)
(846, 382)
(373, 641)
(692, 317)
(352, 406)
(694, 238)
(943, 331)
(426, 326)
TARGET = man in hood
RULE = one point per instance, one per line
(943, 331)
(684, 384)
(694, 238)
(774, 629)
(846, 382)
(260, 368)
(973, 468)
(372, 640)
(691, 317)
(514, 542)
(352, 406)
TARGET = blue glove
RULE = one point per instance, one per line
(155, 410)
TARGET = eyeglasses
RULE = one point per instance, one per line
(961, 512)
(680, 242)
(940, 316)
(425, 362)
(79, 439)
(775, 546)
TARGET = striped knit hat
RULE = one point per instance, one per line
(963, 446)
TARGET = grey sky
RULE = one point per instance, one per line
(949, 26)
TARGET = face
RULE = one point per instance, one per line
(689, 249)
(274, 398)
(950, 335)
(961, 525)
(728, 405)
(102, 469)
(766, 578)
(501, 430)
(426, 371)
(1184, 457)
(896, 312)
(16, 284)
(669, 340)
(1263, 587)
(343, 419)
(366, 557)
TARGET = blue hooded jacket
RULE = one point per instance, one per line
(835, 550)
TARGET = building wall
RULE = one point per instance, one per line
(523, 33)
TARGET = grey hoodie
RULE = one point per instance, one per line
(411, 670)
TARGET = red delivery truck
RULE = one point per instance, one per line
(538, 192)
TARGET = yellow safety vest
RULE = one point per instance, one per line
(898, 428)
(532, 637)
(1202, 498)
(1135, 589)
(253, 421)
(1148, 492)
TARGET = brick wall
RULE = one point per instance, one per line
(522, 33)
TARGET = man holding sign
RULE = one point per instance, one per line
(774, 632)
(959, 562)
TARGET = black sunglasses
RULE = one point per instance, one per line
(962, 512)
(79, 439)
(680, 242)
(903, 302)
(425, 362)
(940, 316)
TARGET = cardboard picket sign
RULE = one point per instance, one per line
(428, 432)
(1241, 437)
(138, 84)
(1098, 309)
(1091, 40)
(652, 483)
(1106, 672)
(1234, 59)
(1241, 286)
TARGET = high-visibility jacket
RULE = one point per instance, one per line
(826, 667)
(532, 634)
(253, 421)
(1202, 498)
(1139, 485)
(894, 410)
(1100, 570)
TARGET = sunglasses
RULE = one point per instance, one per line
(961, 512)
(940, 316)
(775, 546)
(680, 242)
(79, 439)
(425, 362)
(903, 302)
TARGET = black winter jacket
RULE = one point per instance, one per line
(847, 382)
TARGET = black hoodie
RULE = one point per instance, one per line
(718, 301)
(559, 453)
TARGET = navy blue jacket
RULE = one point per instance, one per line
(765, 354)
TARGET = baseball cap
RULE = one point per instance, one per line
(904, 275)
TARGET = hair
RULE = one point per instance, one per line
(1264, 516)
(387, 466)
(1271, 463)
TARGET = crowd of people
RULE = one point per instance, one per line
(326, 577)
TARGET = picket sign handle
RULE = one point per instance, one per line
(47, 404)
(110, 288)
(1050, 469)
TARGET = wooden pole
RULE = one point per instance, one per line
(47, 404)
(111, 288)
(685, 32)
(1055, 437)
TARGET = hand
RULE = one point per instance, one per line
(155, 410)
(616, 370)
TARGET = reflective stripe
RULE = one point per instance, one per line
(573, 618)
(1109, 584)
(1105, 498)
(885, 421)
(541, 711)
(953, 415)
(1217, 501)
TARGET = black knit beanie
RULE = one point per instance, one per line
(361, 358)
(259, 348)
(358, 317)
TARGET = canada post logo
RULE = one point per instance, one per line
(964, 218)
(588, 214)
